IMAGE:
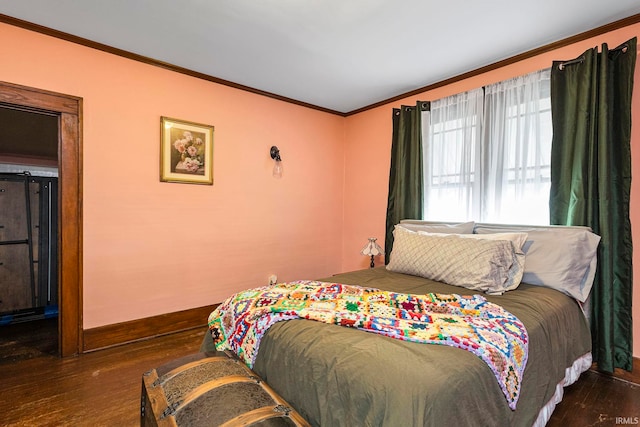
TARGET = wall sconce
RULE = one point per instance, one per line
(372, 249)
(277, 167)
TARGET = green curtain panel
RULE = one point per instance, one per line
(405, 177)
(591, 182)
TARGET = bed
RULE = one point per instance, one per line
(339, 376)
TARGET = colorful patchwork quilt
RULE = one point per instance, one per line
(467, 322)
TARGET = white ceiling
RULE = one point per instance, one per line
(340, 55)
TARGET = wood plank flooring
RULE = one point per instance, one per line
(94, 389)
(103, 388)
(598, 400)
(27, 340)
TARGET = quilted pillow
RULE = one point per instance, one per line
(517, 240)
(476, 264)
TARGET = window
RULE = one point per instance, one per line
(487, 153)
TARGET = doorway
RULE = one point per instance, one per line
(68, 111)
(28, 233)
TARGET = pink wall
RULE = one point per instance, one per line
(368, 145)
(151, 247)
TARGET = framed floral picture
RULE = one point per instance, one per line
(186, 152)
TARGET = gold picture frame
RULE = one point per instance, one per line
(186, 152)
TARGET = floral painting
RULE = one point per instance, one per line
(186, 152)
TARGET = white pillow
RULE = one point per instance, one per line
(439, 227)
(562, 258)
(476, 264)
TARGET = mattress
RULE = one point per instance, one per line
(337, 376)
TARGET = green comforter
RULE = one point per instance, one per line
(336, 376)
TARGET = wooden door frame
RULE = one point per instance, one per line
(69, 111)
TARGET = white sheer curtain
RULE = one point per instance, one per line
(452, 132)
(487, 153)
(517, 137)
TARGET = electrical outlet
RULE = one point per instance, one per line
(273, 279)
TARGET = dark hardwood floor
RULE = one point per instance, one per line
(103, 388)
(598, 400)
(27, 340)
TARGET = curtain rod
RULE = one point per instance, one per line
(579, 60)
(573, 61)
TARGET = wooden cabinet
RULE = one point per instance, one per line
(28, 242)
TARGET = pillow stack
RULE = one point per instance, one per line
(492, 264)
(562, 258)
(495, 258)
